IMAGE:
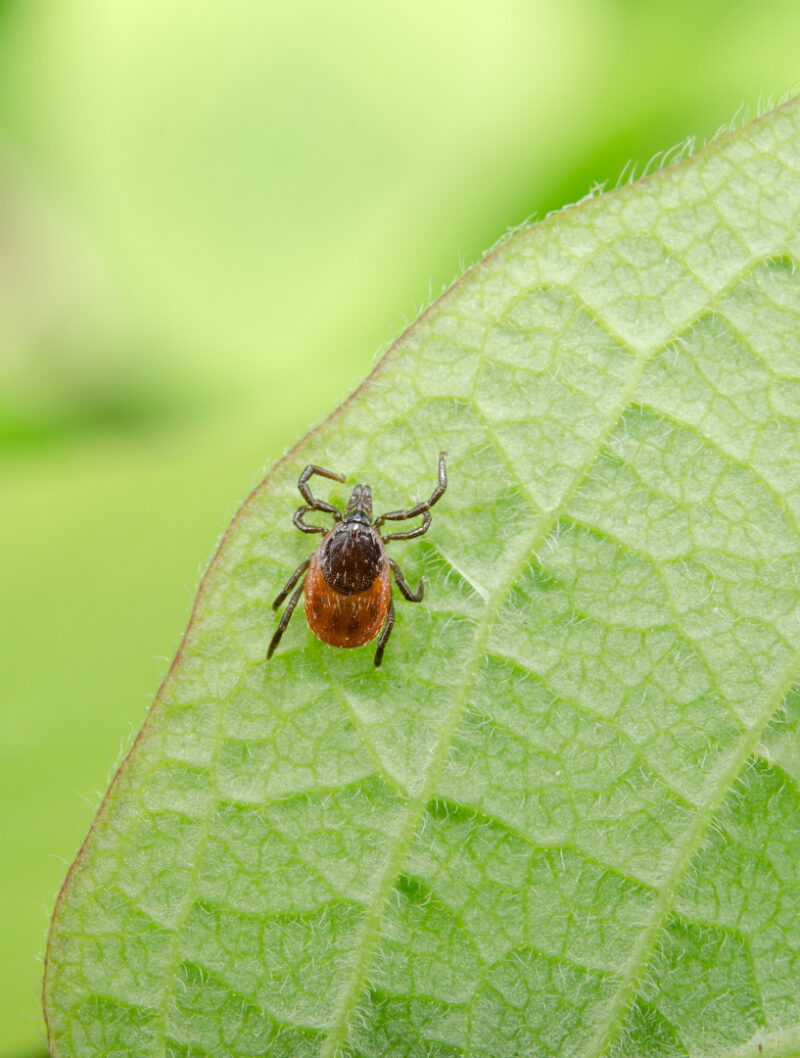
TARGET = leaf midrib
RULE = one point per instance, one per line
(643, 949)
(366, 944)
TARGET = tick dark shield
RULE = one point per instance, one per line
(348, 586)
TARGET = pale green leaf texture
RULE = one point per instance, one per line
(563, 818)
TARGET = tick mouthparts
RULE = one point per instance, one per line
(360, 501)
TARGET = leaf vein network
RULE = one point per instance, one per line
(517, 563)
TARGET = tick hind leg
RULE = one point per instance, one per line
(387, 631)
(287, 613)
(402, 584)
(423, 509)
(407, 593)
(290, 583)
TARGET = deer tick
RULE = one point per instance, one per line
(348, 579)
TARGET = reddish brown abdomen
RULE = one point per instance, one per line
(346, 620)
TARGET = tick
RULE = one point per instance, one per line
(348, 579)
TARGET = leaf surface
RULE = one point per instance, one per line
(563, 818)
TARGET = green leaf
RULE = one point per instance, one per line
(562, 819)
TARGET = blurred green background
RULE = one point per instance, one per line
(212, 215)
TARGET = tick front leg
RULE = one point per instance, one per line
(313, 503)
(402, 584)
(299, 521)
(286, 618)
(409, 534)
(423, 509)
(387, 631)
(290, 583)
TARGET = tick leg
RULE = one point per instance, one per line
(408, 534)
(305, 491)
(420, 509)
(304, 527)
(285, 619)
(387, 631)
(402, 584)
(290, 583)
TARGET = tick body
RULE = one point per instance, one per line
(347, 581)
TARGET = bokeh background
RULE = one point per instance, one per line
(213, 215)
